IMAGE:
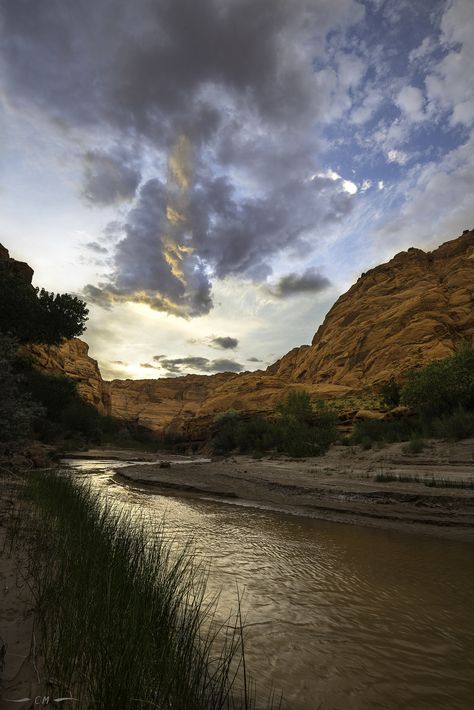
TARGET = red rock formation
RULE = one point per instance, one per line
(415, 308)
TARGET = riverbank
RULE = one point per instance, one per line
(430, 492)
(93, 590)
(20, 665)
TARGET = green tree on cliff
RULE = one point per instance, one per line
(32, 315)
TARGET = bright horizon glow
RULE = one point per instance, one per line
(177, 202)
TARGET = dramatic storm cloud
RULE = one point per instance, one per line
(219, 342)
(292, 284)
(225, 342)
(218, 160)
(222, 98)
(181, 365)
(108, 179)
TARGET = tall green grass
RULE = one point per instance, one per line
(124, 622)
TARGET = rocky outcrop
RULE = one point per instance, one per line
(19, 268)
(415, 308)
(72, 359)
(187, 405)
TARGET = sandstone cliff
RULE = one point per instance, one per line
(72, 359)
(415, 308)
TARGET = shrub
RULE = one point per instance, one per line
(303, 428)
(442, 386)
(17, 410)
(53, 392)
(414, 446)
(457, 425)
(372, 430)
(306, 428)
(390, 393)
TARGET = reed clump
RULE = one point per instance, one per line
(123, 619)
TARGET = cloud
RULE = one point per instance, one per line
(310, 281)
(224, 101)
(108, 178)
(410, 101)
(96, 247)
(397, 156)
(450, 81)
(151, 267)
(447, 186)
(225, 342)
(346, 185)
(254, 359)
(179, 366)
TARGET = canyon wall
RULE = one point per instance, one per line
(417, 307)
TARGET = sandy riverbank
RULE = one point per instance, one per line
(341, 486)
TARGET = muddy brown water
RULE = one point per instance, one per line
(337, 616)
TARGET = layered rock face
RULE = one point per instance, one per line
(72, 359)
(413, 309)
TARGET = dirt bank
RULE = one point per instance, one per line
(346, 485)
(20, 666)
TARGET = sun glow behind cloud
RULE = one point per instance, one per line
(178, 187)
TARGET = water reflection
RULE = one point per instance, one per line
(338, 616)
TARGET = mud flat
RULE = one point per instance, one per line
(431, 492)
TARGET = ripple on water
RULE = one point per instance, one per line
(337, 616)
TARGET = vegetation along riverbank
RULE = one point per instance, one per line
(117, 618)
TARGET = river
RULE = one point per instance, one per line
(338, 617)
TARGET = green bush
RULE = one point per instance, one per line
(302, 428)
(385, 431)
(17, 410)
(414, 446)
(442, 386)
(390, 393)
(52, 392)
(306, 428)
(457, 425)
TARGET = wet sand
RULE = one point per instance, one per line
(340, 486)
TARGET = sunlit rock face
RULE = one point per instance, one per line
(413, 309)
(71, 358)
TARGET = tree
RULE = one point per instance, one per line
(32, 315)
(390, 392)
(307, 428)
(63, 316)
(442, 386)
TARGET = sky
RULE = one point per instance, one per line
(210, 175)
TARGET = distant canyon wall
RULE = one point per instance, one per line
(417, 307)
